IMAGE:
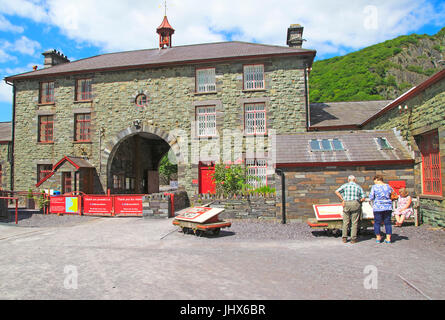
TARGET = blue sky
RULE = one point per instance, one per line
(85, 28)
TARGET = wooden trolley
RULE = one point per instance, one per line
(199, 220)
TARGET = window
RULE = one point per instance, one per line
(82, 127)
(256, 172)
(66, 182)
(326, 145)
(206, 121)
(141, 100)
(118, 182)
(337, 145)
(1, 174)
(255, 118)
(43, 170)
(383, 143)
(46, 92)
(253, 77)
(431, 170)
(205, 80)
(83, 90)
(46, 128)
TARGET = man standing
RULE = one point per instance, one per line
(351, 195)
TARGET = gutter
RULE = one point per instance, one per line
(157, 65)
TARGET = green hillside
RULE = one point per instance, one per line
(381, 71)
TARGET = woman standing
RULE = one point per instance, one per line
(382, 207)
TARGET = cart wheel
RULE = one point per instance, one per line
(199, 233)
(337, 233)
(329, 232)
(216, 231)
(185, 230)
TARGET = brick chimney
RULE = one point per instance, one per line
(295, 36)
(53, 57)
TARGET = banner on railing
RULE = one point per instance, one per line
(65, 205)
(98, 205)
(128, 205)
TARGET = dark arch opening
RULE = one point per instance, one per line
(133, 166)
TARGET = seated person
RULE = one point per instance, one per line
(404, 208)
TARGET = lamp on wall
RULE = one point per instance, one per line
(405, 108)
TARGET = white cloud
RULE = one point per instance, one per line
(5, 92)
(25, 46)
(5, 25)
(330, 26)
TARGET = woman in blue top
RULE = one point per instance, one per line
(382, 207)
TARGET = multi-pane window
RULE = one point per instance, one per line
(46, 128)
(206, 121)
(431, 170)
(82, 127)
(43, 170)
(256, 172)
(118, 182)
(46, 92)
(205, 80)
(254, 77)
(326, 145)
(67, 183)
(83, 90)
(255, 118)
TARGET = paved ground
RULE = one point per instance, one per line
(134, 258)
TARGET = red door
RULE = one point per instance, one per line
(206, 184)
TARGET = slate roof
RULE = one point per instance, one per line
(360, 146)
(344, 113)
(5, 131)
(161, 57)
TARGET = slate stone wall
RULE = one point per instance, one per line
(171, 110)
(426, 112)
(308, 186)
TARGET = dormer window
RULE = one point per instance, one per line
(383, 143)
(326, 145)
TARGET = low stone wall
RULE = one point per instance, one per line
(240, 207)
(159, 205)
(4, 213)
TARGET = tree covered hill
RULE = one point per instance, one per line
(379, 72)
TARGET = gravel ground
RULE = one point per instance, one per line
(250, 229)
(38, 220)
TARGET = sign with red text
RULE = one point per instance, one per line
(61, 204)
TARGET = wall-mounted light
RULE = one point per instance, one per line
(405, 108)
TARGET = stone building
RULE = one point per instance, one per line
(5, 155)
(121, 112)
(103, 124)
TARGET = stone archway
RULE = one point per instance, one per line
(149, 143)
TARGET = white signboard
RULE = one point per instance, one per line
(199, 214)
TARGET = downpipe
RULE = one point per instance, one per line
(283, 195)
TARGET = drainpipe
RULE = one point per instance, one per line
(283, 195)
(306, 98)
(11, 156)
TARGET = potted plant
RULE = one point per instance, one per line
(43, 202)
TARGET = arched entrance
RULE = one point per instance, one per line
(133, 157)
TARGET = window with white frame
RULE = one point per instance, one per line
(253, 76)
(206, 121)
(255, 118)
(256, 172)
(205, 80)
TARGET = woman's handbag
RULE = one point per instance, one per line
(394, 195)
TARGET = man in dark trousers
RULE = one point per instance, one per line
(352, 196)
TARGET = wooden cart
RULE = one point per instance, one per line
(200, 228)
(199, 220)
